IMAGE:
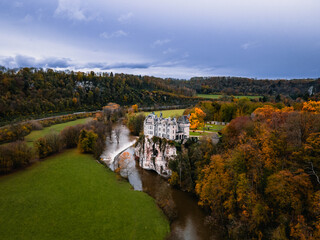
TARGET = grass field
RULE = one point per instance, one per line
(216, 96)
(191, 133)
(34, 135)
(71, 196)
(168, 113)
(214, 128)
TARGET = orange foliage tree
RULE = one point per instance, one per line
(134, 108)
(311, 106)
(197, 118)
(124, 165)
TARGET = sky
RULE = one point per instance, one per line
(164, 38)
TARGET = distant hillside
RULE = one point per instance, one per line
(34, 92)
(248, 86)
(37, 92)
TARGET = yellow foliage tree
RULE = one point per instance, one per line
(311, 106)
(197, 118)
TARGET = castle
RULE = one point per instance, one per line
(169, 128)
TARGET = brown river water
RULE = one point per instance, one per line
(190, 221)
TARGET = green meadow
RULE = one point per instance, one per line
(72, 196)
(168, 113)
(216, 96)
(36, 134)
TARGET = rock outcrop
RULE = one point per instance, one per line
(155, 153)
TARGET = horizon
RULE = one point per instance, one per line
(168, 39)
(182, 79)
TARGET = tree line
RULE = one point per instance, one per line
(248, 86)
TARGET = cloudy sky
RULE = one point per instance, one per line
(165, 38)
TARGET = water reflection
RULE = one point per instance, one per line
(113, 148)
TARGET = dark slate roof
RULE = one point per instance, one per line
(183, 119)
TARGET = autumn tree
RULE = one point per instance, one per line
(197, 119)
(87, 141)
(134, 108)
(124, 167)
(311, 106)
(135, 123)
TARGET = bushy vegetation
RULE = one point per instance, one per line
(14, 156)
(48, 145)
(16, 132)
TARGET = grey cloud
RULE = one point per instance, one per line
(26, 61)
(103, 66)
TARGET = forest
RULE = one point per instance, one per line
(261, 181)
(247, 86)
(37, 92)
(30, 92)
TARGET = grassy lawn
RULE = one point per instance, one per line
(191, 133)
(214, 128)
(168, 113)
(216, 96)
(71, 196)
(34, 135)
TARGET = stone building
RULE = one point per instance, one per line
(169, 128)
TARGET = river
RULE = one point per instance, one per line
(190, 221)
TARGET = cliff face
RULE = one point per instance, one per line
(155, 154)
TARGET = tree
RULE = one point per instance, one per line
(311, 106)
(197, 119)
(289, 191)
(135, 123)
(87, 140)
(134, 108)
(117, 132)
(124, 168)
(109, 129)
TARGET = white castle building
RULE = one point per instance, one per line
(169, 128)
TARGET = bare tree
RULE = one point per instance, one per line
(109, 129)
(313, 172)
(117, 132)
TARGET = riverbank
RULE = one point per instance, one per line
(71, 196)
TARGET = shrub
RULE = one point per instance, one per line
(36, 125)
(14, 156)
(70, 136)
(48, 145)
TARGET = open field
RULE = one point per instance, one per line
(36, 134)
(216, 96)
(71, 196)
(168, 113)
(198, 133)
(214, 128)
